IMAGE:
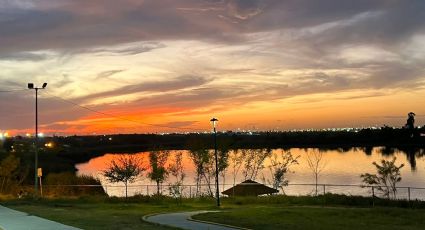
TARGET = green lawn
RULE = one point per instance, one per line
(91, 214)
(298, 217)
(276, 212)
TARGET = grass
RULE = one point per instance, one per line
(304, 217)
(274, 212)
(103, 213)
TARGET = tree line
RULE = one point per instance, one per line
(248, 164)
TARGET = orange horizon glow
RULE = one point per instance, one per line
(264, 116)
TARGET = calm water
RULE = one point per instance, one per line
(343, 167)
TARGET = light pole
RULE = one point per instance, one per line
(31, 86)
(217, 193)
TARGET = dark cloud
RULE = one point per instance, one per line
(245, 9)
(20, 111)
(163, 86)
(78, 24)
(23, 22)
(136, 49)
(23, 56)
(18, 108)
(386, 27)
(25, 29)
(72, 26)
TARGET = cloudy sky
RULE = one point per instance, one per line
(167, 65)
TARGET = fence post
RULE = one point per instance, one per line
(147, 190)
(324, 189)
(190, 191)
(373, 196)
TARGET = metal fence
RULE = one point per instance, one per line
(192, 190)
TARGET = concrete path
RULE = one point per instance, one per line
(183, 220)
(14, 220)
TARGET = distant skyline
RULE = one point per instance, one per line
(253, 64)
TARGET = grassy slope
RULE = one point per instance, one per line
(89, 214)
(276, 212)
(298, 217)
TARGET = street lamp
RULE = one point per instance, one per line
(217, 194)
(31, 86)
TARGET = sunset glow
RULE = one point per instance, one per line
(169, 66)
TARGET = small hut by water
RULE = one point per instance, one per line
(249, 188)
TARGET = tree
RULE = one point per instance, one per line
(386, 179)
(158, 173)
(223, 159)
(316, 164)
(176, 169)
(126, 168)
(279, 167)
(254, 162)
(9, 170)
(200, 157)
(236, 158)
(204, 161)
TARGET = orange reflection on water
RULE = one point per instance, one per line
(340, 168)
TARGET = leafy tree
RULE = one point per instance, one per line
(158, 173)
(201, 158)
(9, 170)
(316, 164)
(254, 162)
(223, 159)
(176, 169)
(125, 168)
(209, 171)
(386, 179)
(279, 167)
(236, 159)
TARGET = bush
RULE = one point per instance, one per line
(68, 184)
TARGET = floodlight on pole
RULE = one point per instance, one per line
(217, 192)
(31, 86)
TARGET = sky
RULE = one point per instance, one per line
(151, 66)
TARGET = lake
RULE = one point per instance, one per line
(342, 167)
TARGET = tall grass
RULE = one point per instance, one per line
(68, 184)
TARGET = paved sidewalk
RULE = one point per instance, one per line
(14, 220)
(182, 220)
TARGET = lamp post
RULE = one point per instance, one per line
(217, 193)
(31, 86)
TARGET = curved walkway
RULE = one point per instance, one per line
(14, 220)
(183, 220)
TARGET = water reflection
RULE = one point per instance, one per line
(343, 166)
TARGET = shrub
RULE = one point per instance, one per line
(68, 184)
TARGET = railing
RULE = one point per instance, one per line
(192, 190)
